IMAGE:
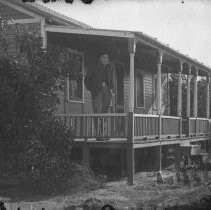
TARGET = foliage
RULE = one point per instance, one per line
(201, 95)
(34, 144)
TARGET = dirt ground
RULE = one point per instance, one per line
(145, 193)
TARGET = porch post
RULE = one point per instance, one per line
(86, 155)
(188, 103)
(130, 164)
(188, 91)
(159, 91)
(208, 97)
(130, 149)
(179, 91)
(131, 48)
(195, 100)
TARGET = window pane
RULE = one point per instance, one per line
(75, 88)
(75, 69)
(76, 63)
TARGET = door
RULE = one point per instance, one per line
(119, 71)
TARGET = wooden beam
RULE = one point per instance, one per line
(208, 97)
(179, 91)
(195, 94)
(86, 155)
(24, 21)
(131, 48)
(188, 92)
(130, 165)
(159, 88)
(43, 32)
(88, 31)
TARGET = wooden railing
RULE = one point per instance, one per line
(146, 125)
(202, 126)
(149, 125)
(86, 126)
(199, 126)
(134, 126)
(193, 126)
(171, 126)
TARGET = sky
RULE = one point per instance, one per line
(184, 26)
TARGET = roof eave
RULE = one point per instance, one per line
(155, 43)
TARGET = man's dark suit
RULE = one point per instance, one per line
(99, 81)
(94, 78)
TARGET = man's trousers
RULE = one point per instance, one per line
(100, 104)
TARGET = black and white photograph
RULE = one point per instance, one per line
(105, 104)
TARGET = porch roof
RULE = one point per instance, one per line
(46, 12)
(138, 36)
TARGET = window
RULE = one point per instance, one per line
(75, 80)
(139, 89)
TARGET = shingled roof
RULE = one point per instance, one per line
(48, 13)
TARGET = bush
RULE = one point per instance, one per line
(34, 145)
(46, 158)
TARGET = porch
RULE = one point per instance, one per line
(128, 127)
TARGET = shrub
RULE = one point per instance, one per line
(34, 145)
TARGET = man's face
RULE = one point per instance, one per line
(104, 59)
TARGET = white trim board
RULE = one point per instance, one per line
(96, 32)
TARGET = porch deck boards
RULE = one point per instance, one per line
(138, 143)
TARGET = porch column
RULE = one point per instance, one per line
(179, 91)
(188, 92)
(86, 155)
(208, 97)
(131, 48)
(130, 164)
(159, 91)
(188, 102)
(195, 100)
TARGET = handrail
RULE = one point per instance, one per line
(146, 115)
(94, 115)
(135, 126)
(170, 117)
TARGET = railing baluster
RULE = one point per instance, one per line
(103, 127)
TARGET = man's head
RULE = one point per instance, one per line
(104, 59)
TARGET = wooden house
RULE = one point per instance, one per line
(140, 112)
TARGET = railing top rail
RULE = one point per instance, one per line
(146, 115)
(200, 118)
(94, 115)
(170, 117)
(156, 116)
(193, 118)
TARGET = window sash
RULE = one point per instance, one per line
(75, 80)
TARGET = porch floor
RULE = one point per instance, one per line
(138, 143)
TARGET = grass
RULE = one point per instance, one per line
(144, 193)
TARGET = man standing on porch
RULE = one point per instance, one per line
(99, 81)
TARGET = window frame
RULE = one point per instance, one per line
(69, 50)
(138, 72)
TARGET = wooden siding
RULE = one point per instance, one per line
(149, 99)
(10, 13)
